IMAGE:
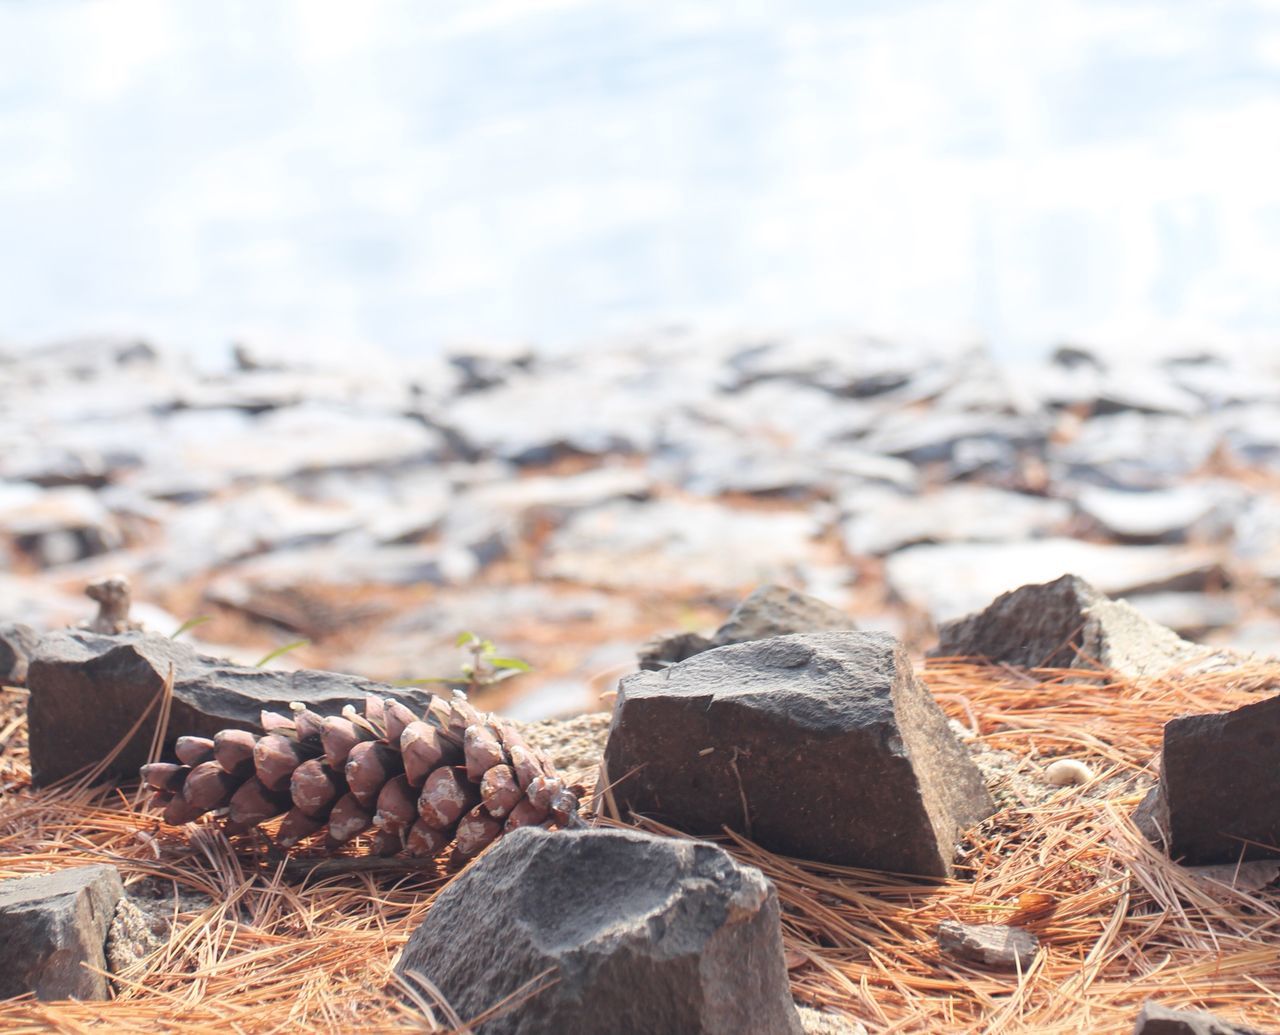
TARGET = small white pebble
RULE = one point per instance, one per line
(1067, 772)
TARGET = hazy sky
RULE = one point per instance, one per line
(410, 173)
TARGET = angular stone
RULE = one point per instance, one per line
(771, 610)
(821, 745)
(951, 580)
(1067, 623)
(775, 610)
(662, 651)
(992, 945)
(88, 690)
(51, 924)
(17, 644)
(1217, 798)
(1155, 1019)
(642, 936)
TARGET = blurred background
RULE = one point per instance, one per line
(570, 322)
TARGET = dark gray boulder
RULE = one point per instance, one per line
(1216, 799)
(820, 745)
(17, 643)
(641, 935)
(1155, 1019)
(51, 924)
(1067, 623)
(88, 690)
(771, 610)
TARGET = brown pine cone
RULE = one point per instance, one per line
(416, 783)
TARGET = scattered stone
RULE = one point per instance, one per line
(662, 651)
(771, 610)
(641, 934)
(1067, 772)
(774, 610)
(1155, 1019)
(62, 525)
(17, 644)
(670, 545)
(1202, 510)
(822, 746)
(1068, 623)
(1216, 786)
(885, 521)
(992, 945)
(88, 690)
(53, 924)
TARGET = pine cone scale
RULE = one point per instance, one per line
(416, 783)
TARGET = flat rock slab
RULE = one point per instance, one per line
(1160, 1020)
(1217, 789)
(820, 745)
(992, 945)
(51, 924)
(642, 936)
(87, 691)
(17, 642)
(1068, 623)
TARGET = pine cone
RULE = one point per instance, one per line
(454, 775)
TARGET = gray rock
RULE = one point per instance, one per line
(771, 610)
(821, 745)
(1217, 784)
(951, 580)
(1067, 623)
(88, 690)
(669, 543)
(992, 945)
(1133, 451)
(882, 522)
(17, 644)
(1155, 1019)
(774, 610)
(643, 936)
(662, 651)
(1202, 510)
(1189, 614)
(51, 924)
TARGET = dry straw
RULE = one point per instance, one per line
(280, 949)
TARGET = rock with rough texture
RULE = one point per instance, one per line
(774, 610)
(822, 746)
(642, 936)
(992, 945)
(51, 924)
(771, 610)
(17, 644)
(87, 691)
(951, 580)
(1160, 1020)
(1069, 624)
(1216, 798)
(662, 651)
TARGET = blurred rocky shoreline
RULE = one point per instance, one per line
(571, 505)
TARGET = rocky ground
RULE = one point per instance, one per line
(571, 505)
